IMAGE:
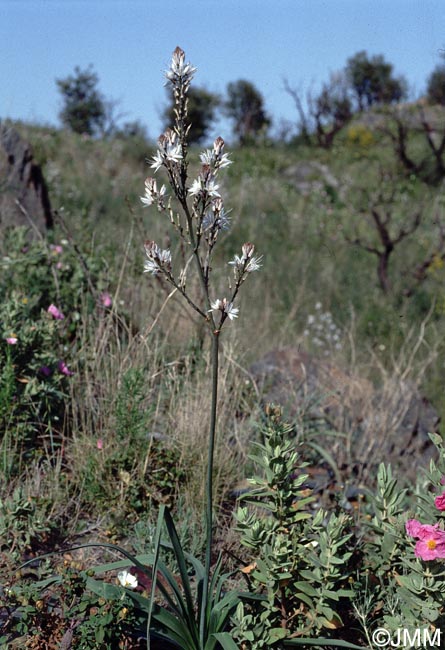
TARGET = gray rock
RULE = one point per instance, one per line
(308, 176)
(24, 199)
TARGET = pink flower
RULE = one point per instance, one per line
(59, 266)
(63, 368)
(52, 309)
(106, 299)
(431, 544)
(11, 340)
(413, 527)
(57, 249)
(439, 502)
(100, 443)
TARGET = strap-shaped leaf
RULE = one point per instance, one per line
(180, 559)
(173, 628)
(157, 546)
(225, 640)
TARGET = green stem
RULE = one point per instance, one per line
(209, 488)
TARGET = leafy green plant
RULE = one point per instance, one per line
(300, 561)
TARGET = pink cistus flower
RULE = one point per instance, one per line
(100, 443)
(57, 249)
(56, 313)
(106, 299)
(431, 540)
(439, 501)
(63, 368)
(11, 340)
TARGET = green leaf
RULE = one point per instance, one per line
(305, 587)
(180, 559)
(157, 546)
(177, 629)
(225, 640)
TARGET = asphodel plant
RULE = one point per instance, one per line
(195, 209)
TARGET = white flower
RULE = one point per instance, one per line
(212, 188)
(157, 259)
(157, 161)
(218, 219)
(216, 158)
(127, 580)
(152, 194)
(225, 307)
(179, 71)
(205, 183)
(247, 262)
(169, 150)
(196, 187)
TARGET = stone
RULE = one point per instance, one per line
(24, 198)
(309, 176)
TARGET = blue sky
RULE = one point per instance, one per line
(129, 44)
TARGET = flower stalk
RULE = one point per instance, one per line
(198, 223)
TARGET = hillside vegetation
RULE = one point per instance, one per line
(90, 451)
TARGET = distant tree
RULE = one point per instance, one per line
(385, 222)
(201, 109)
(134, 129)
(407, 124)
(245, 107)
(84, 108)
(436, 86)
(372, 81)
(327, 112)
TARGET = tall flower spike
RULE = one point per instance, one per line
(179, 71)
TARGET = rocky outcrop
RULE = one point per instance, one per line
(24, 198)
(309, 176)
(387, 423)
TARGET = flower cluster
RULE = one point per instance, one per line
(153, 195)
(216, 158)
(202, 215)
(157, 259)
(216, 218)
(180, 73)
(225, 307)
(322, 331)
(205, 185)
(431, 539)
(169, 151)
(247, 262)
